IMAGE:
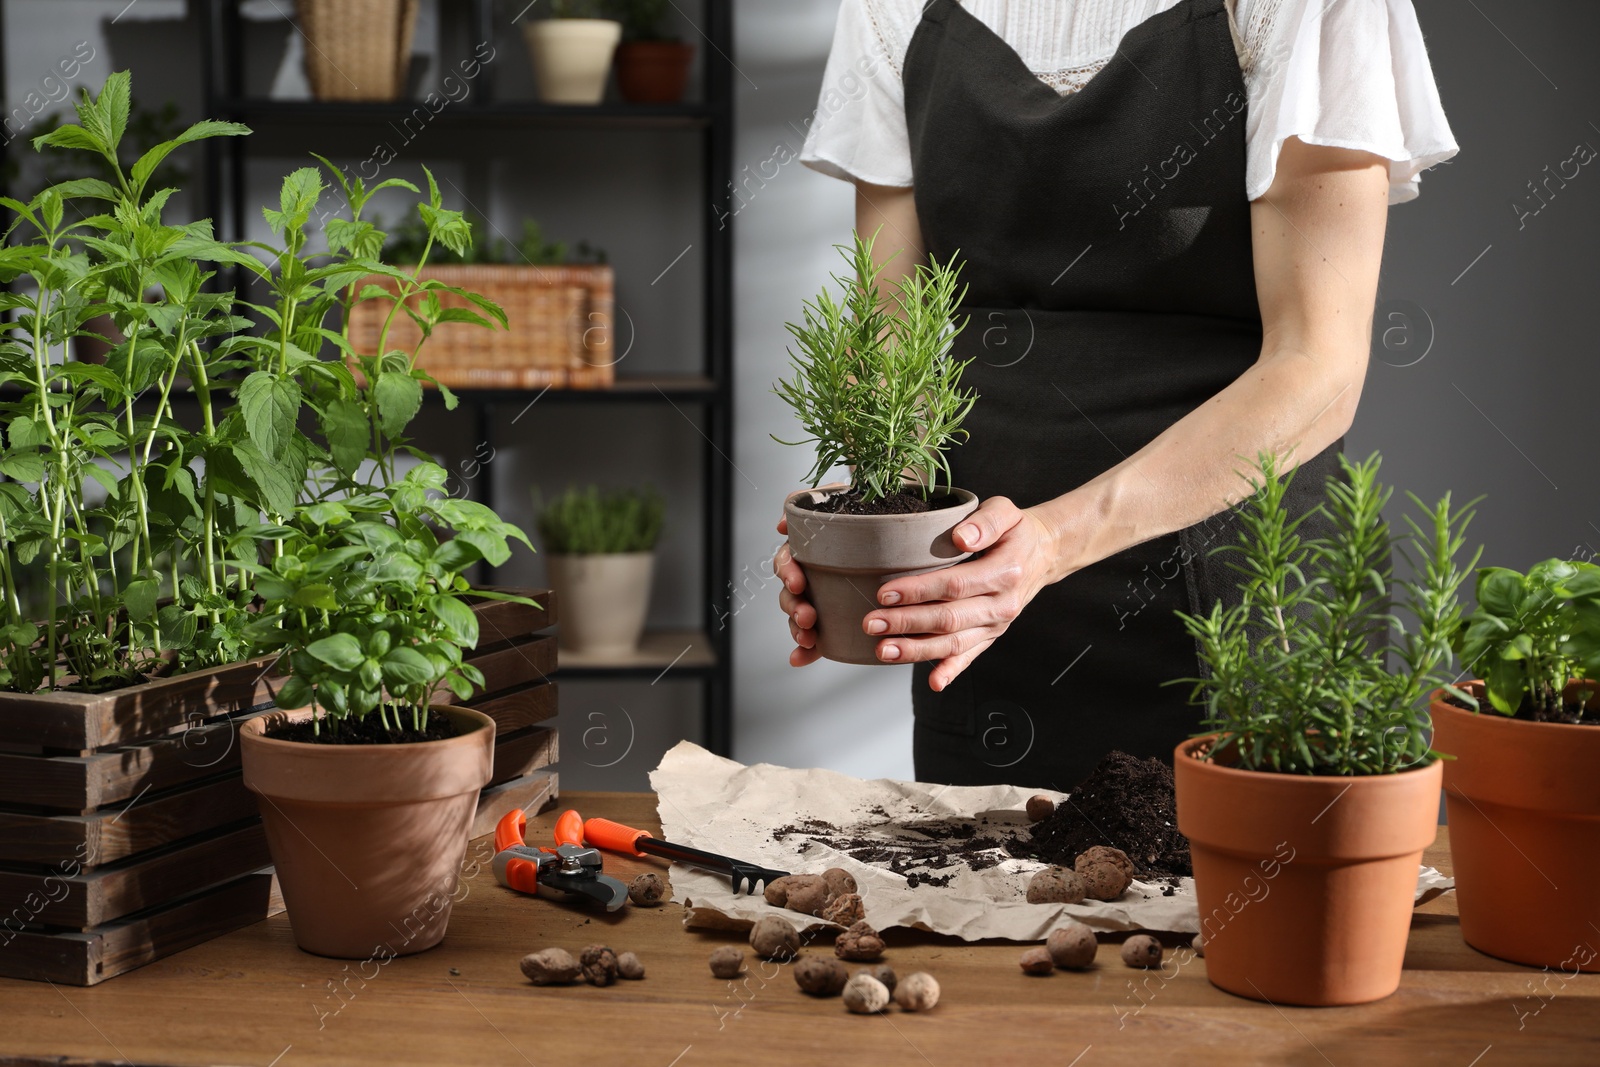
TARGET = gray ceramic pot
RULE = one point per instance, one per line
(847, 557)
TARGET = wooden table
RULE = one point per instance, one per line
(251, 997)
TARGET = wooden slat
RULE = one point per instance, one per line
(531, 660)
(518, 708)
(81, 901)
(499, 621)
(115, 833)
(533, 793)
(520, 753)
(83, 721)
(83, 958)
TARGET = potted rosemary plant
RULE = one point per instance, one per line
(599, 552)
(1310, 799)
(875, 387)
(652, 64)
(572, 49)
(1520, 789)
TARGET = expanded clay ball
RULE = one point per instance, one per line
(820, 975)
(1056, 885)
(1036, 961)
(865, 995)
(774, 938)
(845, 909)
(808, 893)
(647, 889)
(919, 992)
(628, 966)
(882, 972)
(1072, 946)
(599, 965)
(1040, 808)
(860, 942)
(840, 881)
(1105, 854)
(1103, 881)
(727, 962)
(551, 966)
(1141, 950)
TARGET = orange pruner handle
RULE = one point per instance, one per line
(612, 836)
(511, 830)
(569, 828)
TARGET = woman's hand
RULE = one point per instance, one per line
(952, 615)
(802, 615)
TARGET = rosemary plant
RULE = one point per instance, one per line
(1297, 676)
(1531, 634)
(875, 385)
(588, 522)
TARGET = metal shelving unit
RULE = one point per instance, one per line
(710, 390)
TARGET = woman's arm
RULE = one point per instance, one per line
(1318, 242)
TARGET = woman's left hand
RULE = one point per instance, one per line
(953, 614)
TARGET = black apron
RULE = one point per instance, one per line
(1105, 237)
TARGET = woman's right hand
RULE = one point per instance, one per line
(802, 615)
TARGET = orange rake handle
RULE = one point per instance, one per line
(612, 836)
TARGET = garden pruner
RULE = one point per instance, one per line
(570, 866)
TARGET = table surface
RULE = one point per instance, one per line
(251, 997)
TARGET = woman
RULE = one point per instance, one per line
(1170, 215)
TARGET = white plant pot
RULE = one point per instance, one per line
(602, 600)
(571, 57)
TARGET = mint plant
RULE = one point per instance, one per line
(1297, 680)
(875, 384)
(1530, 635)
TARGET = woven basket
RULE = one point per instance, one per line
(357, 49)
(560, 328)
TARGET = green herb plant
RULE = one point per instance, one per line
(1297, 679)
(577, 9)
(588, 522)
(875, 385)
(642, 20)
(407, 240)
(1532, 634)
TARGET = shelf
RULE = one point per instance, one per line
(661, 654)
(690, 388)
(525, 112)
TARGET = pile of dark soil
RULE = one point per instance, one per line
(915, 848)
(1127, 803)
(368, 730)
(850, 503)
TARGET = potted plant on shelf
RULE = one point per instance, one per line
(368, 799)
(357, 49)
(1310, 799)
(1521, 792)
(599, 551)
(572, 49)
(875, 387)
(652, 64)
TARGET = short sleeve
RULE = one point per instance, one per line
(858, 131)
(1346, 74)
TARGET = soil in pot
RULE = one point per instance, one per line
(850, 503)
(1569, 712)
(1127, 803)
(367, 731)
(368, 839)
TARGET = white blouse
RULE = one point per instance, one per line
(1342, 73)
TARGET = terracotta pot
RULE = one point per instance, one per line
(368, 839)
(847, 557)
(1523, 803)
(1306, 884)
(571, 57)
(653, 72)
(604, 599)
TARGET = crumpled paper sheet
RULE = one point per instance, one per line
(722, 806)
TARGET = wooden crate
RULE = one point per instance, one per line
(559, 335)
(126, 832)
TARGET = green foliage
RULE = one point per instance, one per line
(150, 571)
(1298, 680)
(407, 240)
(642, 20)
(1531, 634)
(577, 9)
(588, 522)
(367, 598)
(875, 385)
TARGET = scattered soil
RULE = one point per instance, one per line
(1127, 803)
(367, 730)
(1570, 714)
(849, 502)
(915, 848)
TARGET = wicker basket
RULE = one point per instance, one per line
(357, 49)
(559, 335)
